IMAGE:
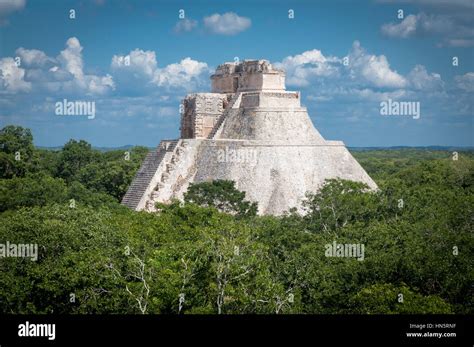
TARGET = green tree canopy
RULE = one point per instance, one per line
(222, 195)
(74, 156)
(16, 150)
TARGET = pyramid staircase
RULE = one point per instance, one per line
(234, 101)
(159, 192)
(146, 172)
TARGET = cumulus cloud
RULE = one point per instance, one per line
(33, 58)
(361, 68)
(100, 84)
(12, 77)
(359, 81)
(352, 87)
(420, 79)
(141, 68)
(302, 68)
(452, 29)
(137, 64)
(226, 24)
(465, 82)
(184, 74)
(71, 59)
(185, 25)
(65, 73)
(373, 69)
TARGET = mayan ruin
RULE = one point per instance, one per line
(250, 130)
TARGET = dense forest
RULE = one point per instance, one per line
(213, 254)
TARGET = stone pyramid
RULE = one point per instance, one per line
(249, 130)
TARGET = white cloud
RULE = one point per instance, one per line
(301, 68)
(33, 58)
(465, 82)
(362, 69)
(39, 72)
(139, 69)
(361, 80)
(373, 69)
(186, 74)
(71, 59)
(421, 24)
(100, 85)
(139, 64)
(226, 24)
(405, 28)
(185, 25)
(420, 79)
(451, 28)
(12, 77)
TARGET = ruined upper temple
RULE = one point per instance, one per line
(251, 75)
(251, 130)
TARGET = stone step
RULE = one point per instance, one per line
(223, 116)
(146, 172)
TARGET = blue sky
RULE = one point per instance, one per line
(403, 59)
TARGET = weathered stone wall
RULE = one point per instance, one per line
(201, 112)
(246, 76)
(261, 81)
(277, 176)
(271, 99)
(286, 126)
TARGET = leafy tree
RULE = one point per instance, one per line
(74, 156)
(82, 195)
(16, 139)
(112, 178)
(16, 149)
(388, 299)
(9, 167)
(37, 190)
(71, 274)
(338, 203)
(222, 195)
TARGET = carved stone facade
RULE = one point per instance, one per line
(247, 76)
(201, 112)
